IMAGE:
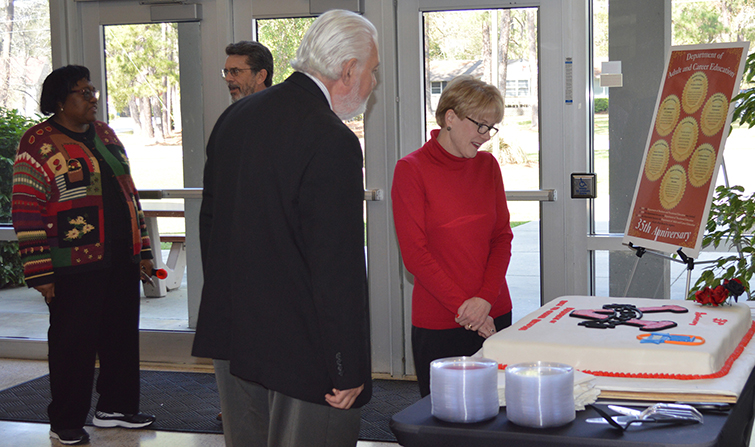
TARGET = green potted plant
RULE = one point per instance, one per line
(12, 127)
(732, 220)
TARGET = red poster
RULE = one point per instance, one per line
(685, 147)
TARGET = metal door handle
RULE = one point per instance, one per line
(373, 195)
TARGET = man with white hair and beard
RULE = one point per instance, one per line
(284, 311)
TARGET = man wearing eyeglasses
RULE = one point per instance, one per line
(248, 68)
(284, 312)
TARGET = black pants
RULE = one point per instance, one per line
(433, 344)
(94, 314)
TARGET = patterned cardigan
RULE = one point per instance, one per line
(57, 203)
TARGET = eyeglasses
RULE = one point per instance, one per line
(88, 93)
(232, 71)
(482, 129)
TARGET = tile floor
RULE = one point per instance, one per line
(17, 434)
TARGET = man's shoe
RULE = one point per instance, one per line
(70, 436)
(107, 420)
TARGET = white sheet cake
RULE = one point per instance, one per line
(702, 344)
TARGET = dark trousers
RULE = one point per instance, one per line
(94, 314)
(433, 344)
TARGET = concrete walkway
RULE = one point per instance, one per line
(23, 313)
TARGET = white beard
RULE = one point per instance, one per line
(351, 105)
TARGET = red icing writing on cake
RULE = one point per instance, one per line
(698, 316)
(544, 315)
(561, 314)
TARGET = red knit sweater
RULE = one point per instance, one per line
(453, 228)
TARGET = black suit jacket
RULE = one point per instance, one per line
(282, 238)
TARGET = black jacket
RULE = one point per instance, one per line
(282, 238)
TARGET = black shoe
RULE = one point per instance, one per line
(70, 436)
(107, 420)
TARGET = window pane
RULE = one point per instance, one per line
(700, 22)
(143, 102)
(144, 109)
(282, 38)
(25, 62)
(25, 67)
(460, 42)
(694, 22)
(600, 117)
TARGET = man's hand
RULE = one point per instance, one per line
(343, 399)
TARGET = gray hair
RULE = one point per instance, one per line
(258, 57)
(335, 37)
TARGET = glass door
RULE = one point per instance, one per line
(143, 107)
(138, 57)
(499, 47)
(25, 61)
(525, 53)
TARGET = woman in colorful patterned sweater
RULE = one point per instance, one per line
(452, 223)
(84, 245)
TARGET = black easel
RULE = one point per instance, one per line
(683, 259)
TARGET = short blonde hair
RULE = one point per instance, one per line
(467, 96)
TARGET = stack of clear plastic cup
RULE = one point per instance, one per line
(464, 389)
(540, 394)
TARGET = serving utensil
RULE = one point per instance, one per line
(658, 413)
(704, 407)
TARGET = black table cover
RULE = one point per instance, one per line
(416, 427)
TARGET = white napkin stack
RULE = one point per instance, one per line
(585, 392)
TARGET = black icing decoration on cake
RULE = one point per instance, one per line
(612, 315)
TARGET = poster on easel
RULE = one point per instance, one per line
(684, 147)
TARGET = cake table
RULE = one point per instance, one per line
(416, 427)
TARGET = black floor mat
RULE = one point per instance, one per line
(188, 402)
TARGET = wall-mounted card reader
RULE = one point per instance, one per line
(584, 186)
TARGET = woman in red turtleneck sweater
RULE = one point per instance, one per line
(452, 222)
